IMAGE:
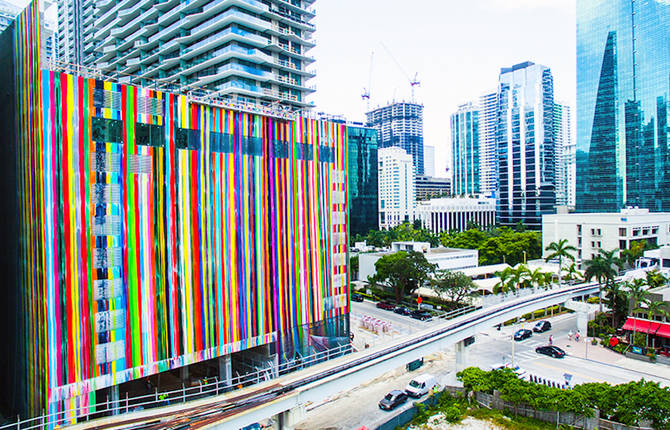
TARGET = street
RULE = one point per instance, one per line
(358, 406)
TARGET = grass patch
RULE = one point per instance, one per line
(509, 420)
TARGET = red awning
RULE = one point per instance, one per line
(646, 326)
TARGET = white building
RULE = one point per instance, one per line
(445, 258)
(488, 117)
(396, 187)
(448, 214)
(589, 232)
(566, 156)
(429, 160)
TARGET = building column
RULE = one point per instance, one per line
(226, 370)
(287, 420)
(114, 399)
(185, 377)
(461, 356)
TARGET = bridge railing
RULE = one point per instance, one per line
(204, 388)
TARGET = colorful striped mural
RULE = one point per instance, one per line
(158, 232)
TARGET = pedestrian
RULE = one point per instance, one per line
(570, 335)
(551, 340)
(577, 336)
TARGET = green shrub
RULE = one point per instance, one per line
(452, 414)
(593, 300)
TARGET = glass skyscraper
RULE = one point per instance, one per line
(465, 149)
(363, 180)
(623, 75)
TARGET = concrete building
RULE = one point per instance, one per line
(488, 160)
(454, 214)
(428, 187)
(250, 51)
(445, 258)
(400, 124)
(465, 152)
(429, 160)
(566, 156)
(589, 232)
(363, 179)
(8, 12)
(526, 145)
(623, 56)
(396, 187)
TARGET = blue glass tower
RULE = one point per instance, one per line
(623, 79)
(363, 180)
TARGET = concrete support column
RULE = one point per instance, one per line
(185, 376)
(461, 356)
(288, 419)
(582, 322)
(114, 399)
(226, 370)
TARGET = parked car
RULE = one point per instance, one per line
(392, 400)
(551, 351)
(356, 297)
(386, 306)
(520, 373)
(402, 310)
(421, 385)
(522, 334)
(542, 326)
(420, 315)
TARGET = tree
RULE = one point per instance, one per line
(572, 273)
(601, 267)
(560, 250)
(655, 279)
(452, 286)
(655, 307)
(617, 300)
(538, 278)
(353, 266)
(403, 272)
(637, 293)
(634, 252)
(505, 276)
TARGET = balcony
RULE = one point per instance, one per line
(222, 37)
(227, 18)
(167, 31)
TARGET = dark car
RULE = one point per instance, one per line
(420, 315)
(402, 310)
(356, 297)
(551, 351)
(392, 400)
(386, 306)
(522, 334)
(542, 326)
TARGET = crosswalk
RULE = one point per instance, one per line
(528, 354)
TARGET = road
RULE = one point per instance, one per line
(358, 406)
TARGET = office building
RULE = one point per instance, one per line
(8, 13)
(400, 124)
(429, 160)
(566, 161)
(158, 234)
(488, 160)
(427, 187)
(456, 213)
(525, 145)
(465, 150)
(363, 179)
(396, 187)
(623, 58)
(590, 232)
(248, 51)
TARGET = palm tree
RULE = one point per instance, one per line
(504, 276)
(560, 250)
(571, 273)
(616, 295)
(656, 279)
(602, 270)
(655, 307)
(520, 276)
(538, 278)
(637, 293)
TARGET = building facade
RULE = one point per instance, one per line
(151, 232)
(526, 145)
(429, 160)
(252, 51)
(427, 187)
(465, 152)
(590, 232)
(566, 156)
(363, 180)
(400, 124)
(396, 187)
(488, 160)
(8, 13)
(623, 158)
(456, 214)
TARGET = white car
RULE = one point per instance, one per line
(421, 385)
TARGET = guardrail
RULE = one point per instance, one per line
(205, 388)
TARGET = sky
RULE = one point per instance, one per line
(456, 47)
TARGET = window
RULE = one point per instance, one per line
(593, 244)
(579, 229)
(187, 139)
(622, 244)
(622, 232)
(107, 130)
(149, 134)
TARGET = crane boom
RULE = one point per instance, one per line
(413, 82)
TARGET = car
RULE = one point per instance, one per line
(420, 315)
(386, 306)
(356, 297)
(392, 400)
(522, 334)
(551, 351)
(542, 326)
(402, 310)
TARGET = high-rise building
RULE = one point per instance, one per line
(465, 150)
(427, 187)
(429, 160)
(147, 232)
(566, 165)
(623, 58)
(8, 13)
(488, 160)
(400, 124)
(525, 144)
(396, 187)
(363, 179)
(250, 51)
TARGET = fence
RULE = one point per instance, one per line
(205, 388)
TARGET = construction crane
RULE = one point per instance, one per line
(413, 82)
(366, 91)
